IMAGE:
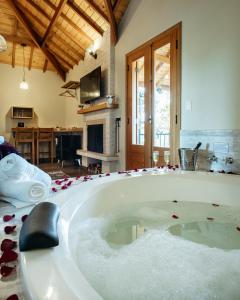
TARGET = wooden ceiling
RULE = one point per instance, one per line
(56, 33)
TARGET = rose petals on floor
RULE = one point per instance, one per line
(6, 271)
(175, 217)
(24, 218)
(9, 229)
(8, 218)
(13, 297)
(8, 256)
(8, 244)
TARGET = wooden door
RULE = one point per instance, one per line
(138, 109)
(153, 100)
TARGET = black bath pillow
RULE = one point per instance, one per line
(39, 230)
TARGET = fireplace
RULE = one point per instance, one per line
(95, 138)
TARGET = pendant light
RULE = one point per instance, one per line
(3, 44)
(23, 84)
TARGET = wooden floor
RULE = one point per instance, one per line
(57, 171)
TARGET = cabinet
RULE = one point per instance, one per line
(22, 112)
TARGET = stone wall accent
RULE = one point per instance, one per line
(221, 143)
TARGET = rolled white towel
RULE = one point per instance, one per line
(14, 166)
(30, 191)
(1, 139)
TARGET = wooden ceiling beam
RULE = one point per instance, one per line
(112, 20)
(35, 37)
(13, 54)
(98, 10)
(55, 17)
(18, 40)
(69, 21)
(60, 57)
(116, 6)
(78, 29)
(45, 66)
(31, 58)
(66, 54)
(60, 28)
(84, 16)
(39, 9)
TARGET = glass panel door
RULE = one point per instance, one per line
(161, 100)
(138, 110)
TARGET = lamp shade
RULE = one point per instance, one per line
(24, 85)
(3, 44)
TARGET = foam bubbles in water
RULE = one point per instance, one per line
(156, 266)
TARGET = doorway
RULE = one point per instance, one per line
(153, 100)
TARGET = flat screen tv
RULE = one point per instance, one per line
(90, 86)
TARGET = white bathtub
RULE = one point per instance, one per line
(53, 274)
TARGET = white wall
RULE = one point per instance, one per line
(105, 59)
(42, 95)
(210, 56)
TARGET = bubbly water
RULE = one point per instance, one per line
(160, 251)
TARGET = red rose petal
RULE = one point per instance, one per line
(8, 256)
(9, 229)
(210, 218)
(175, 217)
(24, 217)
(6, 271)
(69, 183)
(144, 170)
(7, 218)
(13, 297)
(64, 187)
(215, 205)
(8, 244)
(238, 228)
(54, 189)
(107, 174)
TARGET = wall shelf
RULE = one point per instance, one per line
(97, 107)
(22, 112)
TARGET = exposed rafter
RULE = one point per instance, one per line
(45, 66)
(42, 24)
(116, 5)
(69, 21)
(84, 16)
(112, 21)
(35, 37)
(57, 32)
(31, 58)
(56, 15)
(98, 10)
(13, 54)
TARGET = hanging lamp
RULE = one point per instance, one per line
(3, 44)
(23, 84)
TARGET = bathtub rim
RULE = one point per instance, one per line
(54, 286)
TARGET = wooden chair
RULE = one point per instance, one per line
(45, 135)
(25, 137)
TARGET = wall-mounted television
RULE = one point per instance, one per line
(90, 86)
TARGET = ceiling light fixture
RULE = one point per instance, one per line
(93, 53)
(23, 84)
(3, 44)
